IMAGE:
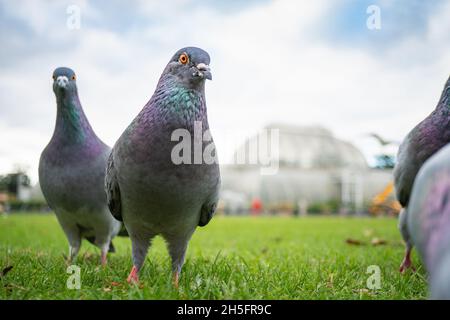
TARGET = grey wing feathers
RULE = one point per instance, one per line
(403, 186)
(404, 172)
(112, 190)
(209, 208)
(207, 212)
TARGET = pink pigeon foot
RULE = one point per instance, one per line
(133, 277)
(407, 263)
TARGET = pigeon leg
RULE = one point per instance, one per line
(103, 259)
(139, 252)
(74, 245)
(133, 277)
(407, 263)
(104, 252)
(74, 248)
(103, 244)
(73, 236)
(402, 225)
(177, 249)
(175, 279)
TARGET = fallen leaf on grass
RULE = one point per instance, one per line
(5, 271)
(362, 291)
(115, 284)
(378, 242)
(138, 285)
(354, 242)
(365, 291)
(10, 286)
(107, 289)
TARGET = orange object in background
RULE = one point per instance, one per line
(381, 204)
(256, 207)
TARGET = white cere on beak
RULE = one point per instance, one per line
(62, 81)
(202, 67)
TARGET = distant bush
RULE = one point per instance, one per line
(326, 207)
(32, 205)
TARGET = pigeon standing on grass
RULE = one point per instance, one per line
(428, 221)
(422, 142)
(72, 172)
(148, 187)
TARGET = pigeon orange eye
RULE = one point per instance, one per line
(183, 58)
(73, 77)
(54, 77)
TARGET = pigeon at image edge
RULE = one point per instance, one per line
(428, 221)
(421, 143)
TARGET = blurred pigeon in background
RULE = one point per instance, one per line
(422, 142)
(382, 141)
(428, 221)
(72, 172)
(148, 187)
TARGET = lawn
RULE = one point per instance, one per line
(231, 258)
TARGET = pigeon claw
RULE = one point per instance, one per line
(133, 277)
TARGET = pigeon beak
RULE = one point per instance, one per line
(62, 81)
(204, 71)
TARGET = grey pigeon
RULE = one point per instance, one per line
(428, 221)
(421, 143)
(152, 192)
(72, 172)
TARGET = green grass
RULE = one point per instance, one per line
(231, 258)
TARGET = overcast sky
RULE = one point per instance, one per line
(298, 62)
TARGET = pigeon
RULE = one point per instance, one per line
(72, 172)
(428, 221)
(421, 143)
(149, 188)
(382, 141)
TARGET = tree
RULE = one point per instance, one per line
(10, 182)
(384, 161)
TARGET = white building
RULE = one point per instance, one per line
(313, 167)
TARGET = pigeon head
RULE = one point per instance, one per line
(64, 81)
(189, 67)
